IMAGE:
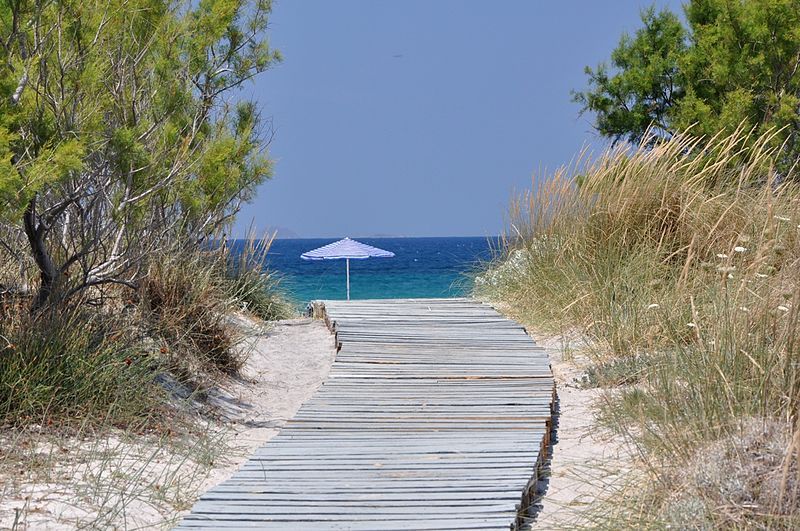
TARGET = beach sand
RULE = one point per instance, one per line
(588, 462)
(120, 481)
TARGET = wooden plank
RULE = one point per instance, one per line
(434, 416)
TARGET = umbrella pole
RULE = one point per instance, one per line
(348, 279)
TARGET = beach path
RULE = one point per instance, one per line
(435, 415)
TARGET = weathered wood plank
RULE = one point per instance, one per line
(434, 416)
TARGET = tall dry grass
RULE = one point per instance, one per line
(189, 296)
(99, 358)
(98, 397)
(251, 282)
(680, 263)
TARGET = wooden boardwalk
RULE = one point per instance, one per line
(435, 415)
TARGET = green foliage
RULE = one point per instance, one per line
(734, 65)
(647, 83)
(119, 114)
(253, 285)
(71, 364)
(120, 133)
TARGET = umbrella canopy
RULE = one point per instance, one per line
(346, 249)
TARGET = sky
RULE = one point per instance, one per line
(423, 117)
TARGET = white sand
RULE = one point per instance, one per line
(124, 482)
(587, 461)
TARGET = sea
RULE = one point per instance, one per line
(421, 267)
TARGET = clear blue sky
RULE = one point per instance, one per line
(422, 117)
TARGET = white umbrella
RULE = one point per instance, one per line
(346, 249)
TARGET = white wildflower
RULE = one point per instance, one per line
(652, 306)
(744, 308)
(730, 275)
(782, 218)
(740, 249)
(722, 255)
(783, 308)
(761, 275)
(691, 325)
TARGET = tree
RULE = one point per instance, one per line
(118, 129)
(736, 63)
(646, 84)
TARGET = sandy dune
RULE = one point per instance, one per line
(124, 482)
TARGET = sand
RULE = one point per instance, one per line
(121, 481)
(587, 460)
(125, 482)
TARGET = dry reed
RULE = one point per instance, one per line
(680, 263)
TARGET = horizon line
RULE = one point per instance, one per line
(379, 237)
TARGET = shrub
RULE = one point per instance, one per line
(183, 299)
(746, 474)
(72, 363)
(98, 357)
(252, 283)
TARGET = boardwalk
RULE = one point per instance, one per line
(433, 417)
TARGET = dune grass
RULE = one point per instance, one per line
(72, 363)
(98, 358)
(680, 264)
(251, 282)
(99, 398)
(184, 301)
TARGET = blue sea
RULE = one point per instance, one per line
(422, 267)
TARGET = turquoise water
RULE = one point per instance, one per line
(422, 267)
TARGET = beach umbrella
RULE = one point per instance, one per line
(347, 249)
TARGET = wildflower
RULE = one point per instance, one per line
(782, 218)
(744, 308)
(730, 275)
(691, 325)
(128, 362)
(740, 249)
(783, 308)
(652, 306)
(722, 255)
(761, 275)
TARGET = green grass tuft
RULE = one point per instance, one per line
(72, 363)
